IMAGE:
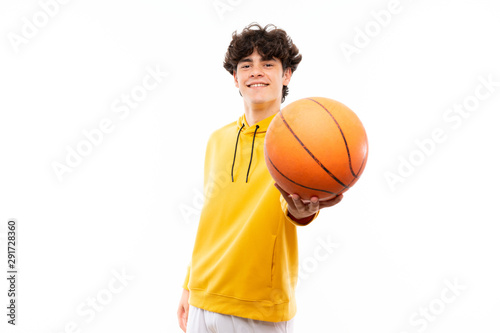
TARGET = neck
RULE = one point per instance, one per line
(257, 112)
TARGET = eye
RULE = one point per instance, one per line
(269, 65)
(245, 66)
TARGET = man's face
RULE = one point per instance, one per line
(261, 81)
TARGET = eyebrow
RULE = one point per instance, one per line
(261, 59)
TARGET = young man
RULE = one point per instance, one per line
(244, 265)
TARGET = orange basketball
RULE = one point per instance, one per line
(316, 147)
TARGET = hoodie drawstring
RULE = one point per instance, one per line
(251, 154)
(235, 148)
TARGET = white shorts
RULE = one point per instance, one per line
(203, 321)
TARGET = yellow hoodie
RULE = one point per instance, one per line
(245, 256)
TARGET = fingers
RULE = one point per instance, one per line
(315, 205)
(185, 321)
(183, 318)
(283, 192)
(299, 204)
(295, 201)
(183, 310)
(312, 206)
(331, 202)
(285, 195)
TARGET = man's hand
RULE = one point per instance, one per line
(303, 212)
(183, 310)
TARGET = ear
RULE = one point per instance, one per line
(287, 75)
(235, 80)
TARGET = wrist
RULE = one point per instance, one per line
(304, 220)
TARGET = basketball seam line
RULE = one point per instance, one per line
(360, 168)
(310, 153)
(341, 132)
(281, 173)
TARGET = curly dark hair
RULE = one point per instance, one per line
(269, 41)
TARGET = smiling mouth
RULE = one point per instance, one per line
(257, 85)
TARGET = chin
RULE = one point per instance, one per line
(261, 100)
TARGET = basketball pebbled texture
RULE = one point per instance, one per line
(316, 147)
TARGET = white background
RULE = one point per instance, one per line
(131, 204)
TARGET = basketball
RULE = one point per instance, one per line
(316, 147)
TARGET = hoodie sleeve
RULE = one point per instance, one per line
(284, 208)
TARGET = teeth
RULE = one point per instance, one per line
(258, 85)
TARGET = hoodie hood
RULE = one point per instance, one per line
(243, 129)
(263, 125)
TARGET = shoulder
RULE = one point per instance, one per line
(223, 132)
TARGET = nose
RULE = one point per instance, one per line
(256, 72)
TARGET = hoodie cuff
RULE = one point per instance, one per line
(284, 208)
